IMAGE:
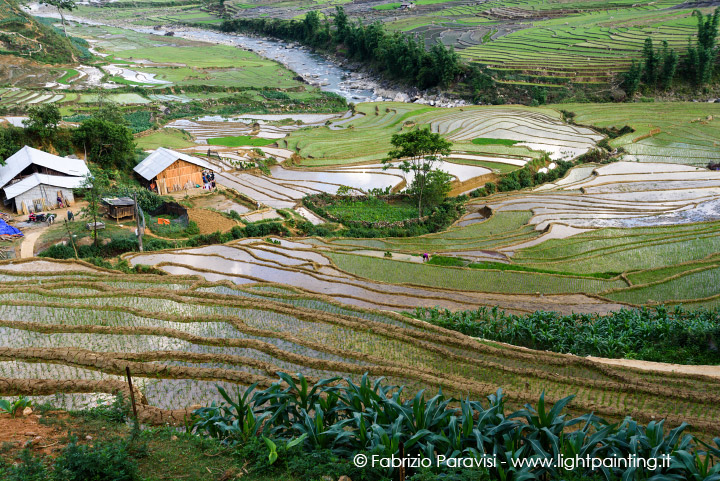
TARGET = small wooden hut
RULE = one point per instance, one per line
(120, 207)
(170, 171)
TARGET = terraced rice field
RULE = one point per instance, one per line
(285, 188)
(270, 127)
(678, 132)
(554, 43)
(299, 264)
(621, 194)
(366, 135)
(185, 334)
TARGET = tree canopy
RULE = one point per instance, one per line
(43, 121)
(107, 143)
(419, 151)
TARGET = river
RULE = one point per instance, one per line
(315, 69)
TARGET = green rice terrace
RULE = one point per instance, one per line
(531, 217)
(524, 42)
(70, 330)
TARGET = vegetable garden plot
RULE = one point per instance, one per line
(75, 343)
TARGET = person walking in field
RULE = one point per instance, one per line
(205, 181)
(212, 180)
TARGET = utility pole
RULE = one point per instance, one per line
(140, 227)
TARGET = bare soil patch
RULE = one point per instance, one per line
(219, 202)
(209, 221)
(27, 431)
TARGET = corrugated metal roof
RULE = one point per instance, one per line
(27, 156)
(119, 201)
(163, 158)
(31, 181)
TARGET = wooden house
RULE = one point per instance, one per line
(170, 171)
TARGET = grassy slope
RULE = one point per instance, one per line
(22, 35)
(168, 138)
(168, 454)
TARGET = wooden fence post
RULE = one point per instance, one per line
(132, 393)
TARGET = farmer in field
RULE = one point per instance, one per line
(426, 257)
(212, 180)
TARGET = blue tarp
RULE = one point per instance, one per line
(8, 229)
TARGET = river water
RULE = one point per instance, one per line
(314, 68)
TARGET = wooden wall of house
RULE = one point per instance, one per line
(177, 175)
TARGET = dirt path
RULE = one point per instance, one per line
(703, 370)
(27, 247)
(713, 371)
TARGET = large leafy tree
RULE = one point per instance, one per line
(43, 121)
(438, 184)
(419, 152)
(107, 143)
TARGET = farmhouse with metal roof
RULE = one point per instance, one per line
(170, 171)
(33, 180)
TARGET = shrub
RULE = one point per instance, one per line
(105, 461)
(678, 336)
(116, 412)
(58, 251)
(30, 468)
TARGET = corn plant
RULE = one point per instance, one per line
(375, 417)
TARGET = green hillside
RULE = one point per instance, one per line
(24, 36)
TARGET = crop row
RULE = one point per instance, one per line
(177, 341)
